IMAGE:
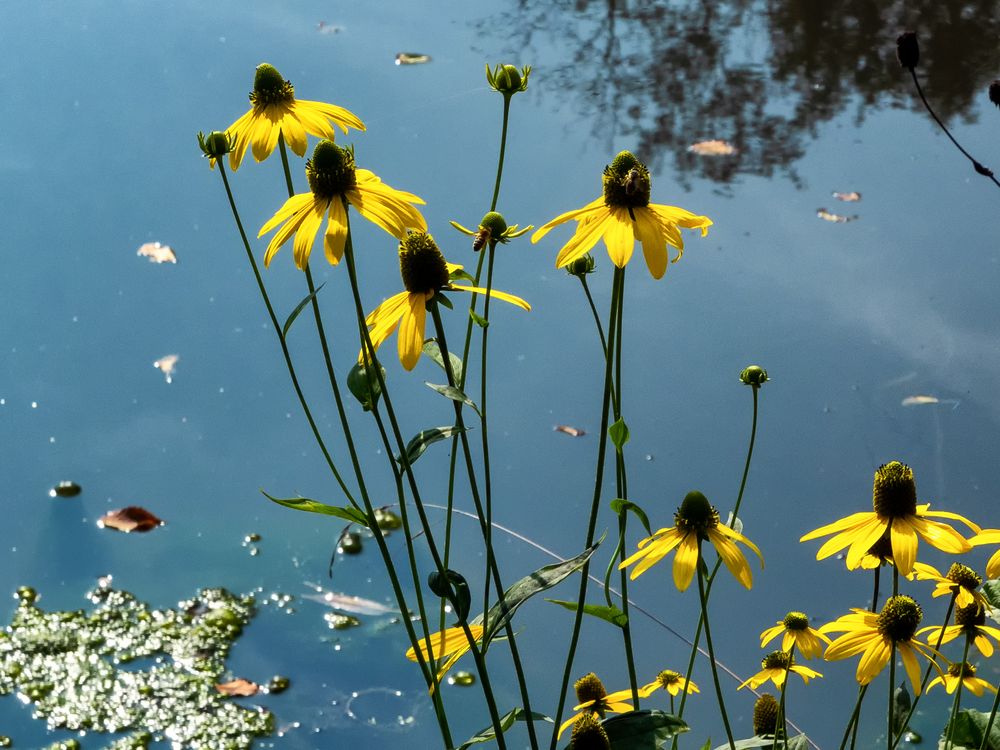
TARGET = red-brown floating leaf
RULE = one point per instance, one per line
(571, 431)
(132, 518)
(167, 365)
(852, 197)
(835, 218)
(238, 687)
(157, 253)
(712, 148)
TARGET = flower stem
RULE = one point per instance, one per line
(711, 651)
(484, 429)
(892, 690)
(851, 730)
(503, 148)
(989, 724)
(948, 744)
(595, 505)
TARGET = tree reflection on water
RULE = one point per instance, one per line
(761, 75)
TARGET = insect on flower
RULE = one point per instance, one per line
(482, 237)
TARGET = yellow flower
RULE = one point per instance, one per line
(694, 521)
(897, 517)
(965, 674)
(425, 272)
(970, 621)
(594, 699)
(334, 182)
(775, 667)
(873, 636)
(797, 633)
(671, 681)
(989, 536)
(623, 215)
(275, 111)
(451, 643)
(961, 580)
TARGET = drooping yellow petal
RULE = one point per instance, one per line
(732, 557)
(686, 561)
(940, 535)
(342, 118)
(384, 319)
(264, 136)
(240, 132)
(335, 237)
(867, 534)
(288, 209)
(651, 552)
(619, 237)
(410, 338)
(654, 245)
(294, 132)
(874, 659)
(770, 634)
(682, 217)
(974, 527)
(305, 235)
(911, 665)
(586, 236)
(579, 214)
(495, 293)
(845, 523)
(904, 544)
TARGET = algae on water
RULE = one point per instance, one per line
(126, 669)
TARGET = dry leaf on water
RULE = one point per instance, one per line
(167, 365)
(835, 218)
(852, 197)
(157, 253)
(238, 687)
(412, 58)
(571, 431)
(132, 518)
(712, 148)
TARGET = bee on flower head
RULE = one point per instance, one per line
(633, 181)
(482, 237)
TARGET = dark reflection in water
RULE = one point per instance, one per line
(761, 75)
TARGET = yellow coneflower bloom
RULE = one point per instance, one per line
(989, 536)
(623, 215)
(775, 667)
(451, 642)
(873, 636)
(671, 681)
(334, 183)
(425, 272)
(694, 521)
(970, 621)
(594, 699)
(275, 111)
(797, 633)
(897, 517)
(960, 580)
(964, 674)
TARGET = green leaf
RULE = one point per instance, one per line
(900, 708)
(432, 350)
(544, 578)
(479, 319)
(991, 590)
(707, 745)
(798, 742)
(609, 614)
(455, 394)
(298, 308)
(506, 722)
(313, 506)
(453, 587)
(642, 730)
(619, 433)
(444, 301)
(618, 505)
(416, 447)
(365, 391)
(758, 740)
(970, 729)
(460, 274)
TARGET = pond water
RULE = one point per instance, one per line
(849, 318)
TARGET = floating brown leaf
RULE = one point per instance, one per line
(712, 148)
(132, 518)
(920, 400)
(157, 252)
(238, 687)
(852, 197)
(835, 218)
(571, 431)
(167, 365)
(412, 58)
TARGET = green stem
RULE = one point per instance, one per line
(594, 507)
(892, 690)
(492, 569)
(503, 148)
(989, 724)
(370, 356)
(948, 744)
(711, 651)
(852, 723)
(484, 428)
(780, 730)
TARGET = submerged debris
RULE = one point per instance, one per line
(712, 148)
(65, 489)
(835, 218)
(157, 253)
(412, 58)
(167, 365)
(852, 197)
(71, 667)
(132, 518)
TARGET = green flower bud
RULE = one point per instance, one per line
(754, 375)
(215, 145)
(581, 266)
(507, 79)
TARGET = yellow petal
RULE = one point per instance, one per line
(410, 338)
(874, 659)
(579, 214)
(685, 561)
(495, 293)
(732, 557)
(335, 237)
(289, 208)
(619, 237)
(586, 236)
(305, 236)
(294, 133)
(911, 665)
(848, 522)
(904, 544)
(654, 246)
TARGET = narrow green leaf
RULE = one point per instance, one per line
(432, 350)
(641, 730)
(758, 740)
(298, 308)
(313, 506)
(460, 274)
(479, 319)
(506, 722)
(619, 433)
(416, 447)
(618, 505)
(442, 300)
(544, 578)
(455, 394)
(707, 745)
(609, 614)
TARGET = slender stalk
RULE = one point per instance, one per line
(852, 723)
(503, 148)
(948, 744)
(878, 571)
(370, 356)
(989, 724)
(980, 169)
(595, 505)
(892, 690)
(484, 430)
(780, 731)
(492, 568)
(711, 652)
